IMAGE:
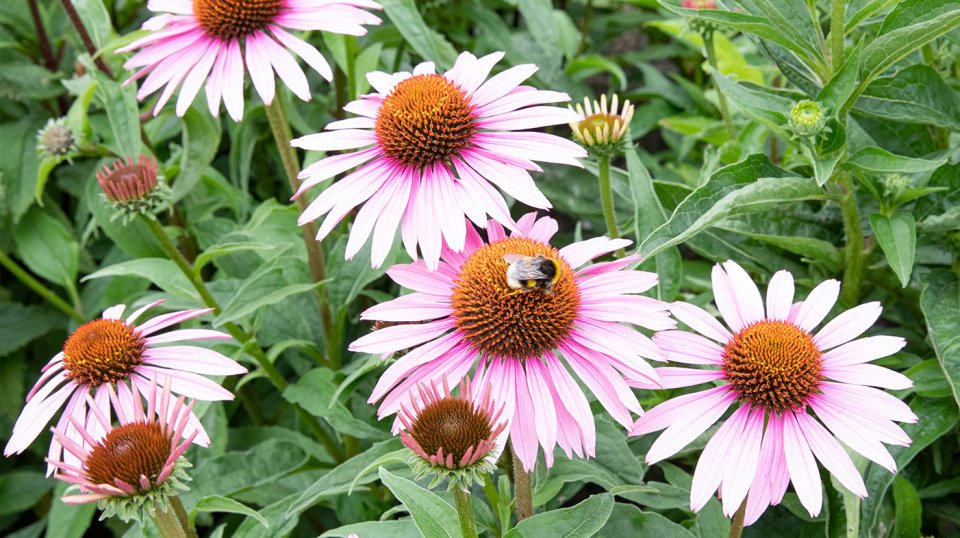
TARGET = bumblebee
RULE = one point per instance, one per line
(528, 273)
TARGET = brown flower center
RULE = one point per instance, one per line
(773, 364)
(102, 351)
(128, 181)
(504, 322)
(228, 19)
(425, 119)
(129, 452)
(453, 424)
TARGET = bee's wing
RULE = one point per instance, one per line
(513, 257)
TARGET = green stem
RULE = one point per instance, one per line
(468, 524)
(585, 29)
(606, 199)
(40, 289)
(168, 524)
(523, 491)
(350, 44)
(721, 98)
(838, 16)
(245, 340)
(736, 524)
(853, 249)
(291, 167)
(181, 513)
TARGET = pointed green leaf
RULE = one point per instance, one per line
(940, 302)
(433, 516)
(580, 521)
(897, 235)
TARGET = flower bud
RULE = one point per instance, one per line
(807, 118)
(603, 129)
(133, 187)
(56, 139)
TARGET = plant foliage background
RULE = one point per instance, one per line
(686, 193)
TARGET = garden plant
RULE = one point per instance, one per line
(464, 268)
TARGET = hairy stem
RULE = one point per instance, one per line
(41, 290)
(181, 513)
(721, 98)
(167, 522)
(241, 336)
(291, 167)
(853, 248)
(606, 199)
(523, 491)
(837, 22)
(85, 37)
(468, 524)
(736, 524)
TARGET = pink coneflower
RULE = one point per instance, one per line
(209, 41)
(110, 351)
(774, 369)
(129, 467)
(436, 146)
(525, 338)
(452, 436)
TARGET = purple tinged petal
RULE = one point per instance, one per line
(848, 325)
(817, 305)
(802, 466)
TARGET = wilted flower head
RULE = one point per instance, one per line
(452, 436)
(781, 377)
(528, 340)
(807, 118)
(133, 468)
(431, 148)
(602, 129)
(133, 187)
(56, 139)
(212, 43)
(112, 354)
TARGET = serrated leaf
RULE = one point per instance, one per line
(940, 303)
(897, 236)
(580, 521)
(433, 516)
(216, 503)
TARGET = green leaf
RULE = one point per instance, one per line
(839, 89)
(18, 167)
(897, 235)
(96, 19)
(580, 521)
(730, 191)
(233, 472)
(68, 520)
(133, 237)
(583, 67)
(341, 479)
(432, 515)
(19, 490)
(909, 511)
(902, 39)
(123, 113)
(217, 503)
(628, 520)
(767, 107)
(538, 17)
(882, 161)
(940, 303)
(916, 94)
(19, 325)
(935, 419)
(47, 247)
(267, 286)
(314, 392)
(403, 528)
(163, 273)
(648, 214)
(224, 249)
(47, 164)
(201, 139)
(429, 44)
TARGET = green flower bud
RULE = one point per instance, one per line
(807, 118)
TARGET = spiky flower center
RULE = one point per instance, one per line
(229, 19)
(452, 424)
(56, 139)
(773, 364)
(129, 452)
(425, 119)
(102, 351)
(503, 322)
(128, 181)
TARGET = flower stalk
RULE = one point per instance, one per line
(837, 25)
(853, 248)
(241, 336)
(40, 289)
(721, 98)
(468, 523)
(167, 522)
(606, 199)
(523, 491)
(736, 524)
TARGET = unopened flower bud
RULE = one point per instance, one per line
(807, 118)
(133, 187)
(603, 128)
(56, 139)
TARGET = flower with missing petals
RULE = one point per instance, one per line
(525, 339)
(211, 43)
(452, 436)
(602, 129)
(112, 352)
(133, 468)
(432, 148)
(781, 377)
(133, 187)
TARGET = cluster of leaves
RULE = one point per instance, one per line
(874, 201)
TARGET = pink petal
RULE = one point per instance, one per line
(803, 468)
(780, 295)
(831, 454)
(699, 320)
(817, 305)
